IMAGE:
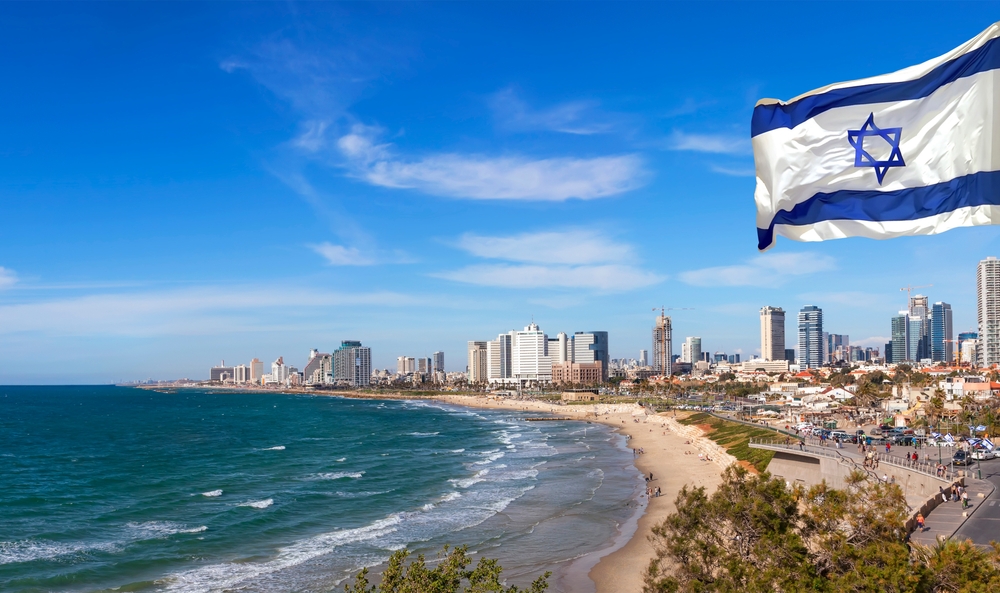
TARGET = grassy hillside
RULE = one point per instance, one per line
(734, 437)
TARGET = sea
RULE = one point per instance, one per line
(107, 488)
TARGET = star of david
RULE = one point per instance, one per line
(863, 159)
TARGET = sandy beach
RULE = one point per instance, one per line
(672, 457)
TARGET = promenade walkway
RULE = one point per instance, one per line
(948, 517)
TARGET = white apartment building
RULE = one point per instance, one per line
(529, 362)
(988, 296)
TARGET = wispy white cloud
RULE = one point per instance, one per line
(192, 311)
(567, 247)
(767, 270)
(606, 278)
(711, 143)
(7, 278)
(482, 177)
(734, 171)
(338, 255)
(577, 258)
(575, 117)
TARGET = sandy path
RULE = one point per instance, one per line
(672, 458)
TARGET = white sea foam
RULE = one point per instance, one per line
(458, 451)
(33, 550)
(257, 504)
(490, 457)
(451, 496)
(467, 482)
(423, 434)
(212, 493)
(227, 576)
(341, 460)
(277, 448)
(336, 475)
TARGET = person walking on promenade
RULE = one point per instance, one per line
(920, 523)
(802, 445)
(965, 499)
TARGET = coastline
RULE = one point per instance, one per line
(671, 455)
(672, 458)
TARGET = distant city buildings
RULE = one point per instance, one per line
(772, 333)
(988, 301)
(352, 364)
(691, 349)
(529, 356)
(662, 345)
(644, 358)
(811, 337)
(942, 346)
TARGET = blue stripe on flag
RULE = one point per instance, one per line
(772, 117)
(977, 189)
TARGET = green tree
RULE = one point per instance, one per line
(756, 535)
(447, 577)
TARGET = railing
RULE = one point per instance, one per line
(923, 467)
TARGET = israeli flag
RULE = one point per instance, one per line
(980, 428)
(988, 444)
(949, 438)
(908, 153)
(936, 435)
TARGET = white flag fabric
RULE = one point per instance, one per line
(916, 152)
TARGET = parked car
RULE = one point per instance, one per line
(960, 458)
(982, 453)
(904, 440)
(839, 434)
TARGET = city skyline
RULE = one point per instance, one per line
(318, 173)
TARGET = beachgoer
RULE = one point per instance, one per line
(965, 499)
(920, 522)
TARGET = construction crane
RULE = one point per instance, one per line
(957, 349)
(909, 291)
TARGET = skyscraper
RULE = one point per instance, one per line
(941, 333)
(811, 337)
(772, 333)
(691, 349)
(988, 293)
(352, 364)
(644, 358)
(528, 359)
(439, 361)
(920, 317)
(477, 362)
(256, 370)
(662, 346)
(900, 328)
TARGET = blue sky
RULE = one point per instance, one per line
(183, 183)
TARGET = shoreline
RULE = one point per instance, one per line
(673, 454)
(672, 458)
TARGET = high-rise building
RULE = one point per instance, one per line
(279, 371)
(422, 366)
(591, 347)
(256, 370)
(988, 293)
(720, 357)
(439, 362)
(241, 373)
(772, 333)
(352, 364)
(900, 328)
(790, 354)
(644, 358)
(662, 345)
(838, 346)
(529, 361)
(691, 349)
(941, 333)
(478, 363)
(811, 337)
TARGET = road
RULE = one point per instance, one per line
(984, 524)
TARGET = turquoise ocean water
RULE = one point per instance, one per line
(107, 488)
